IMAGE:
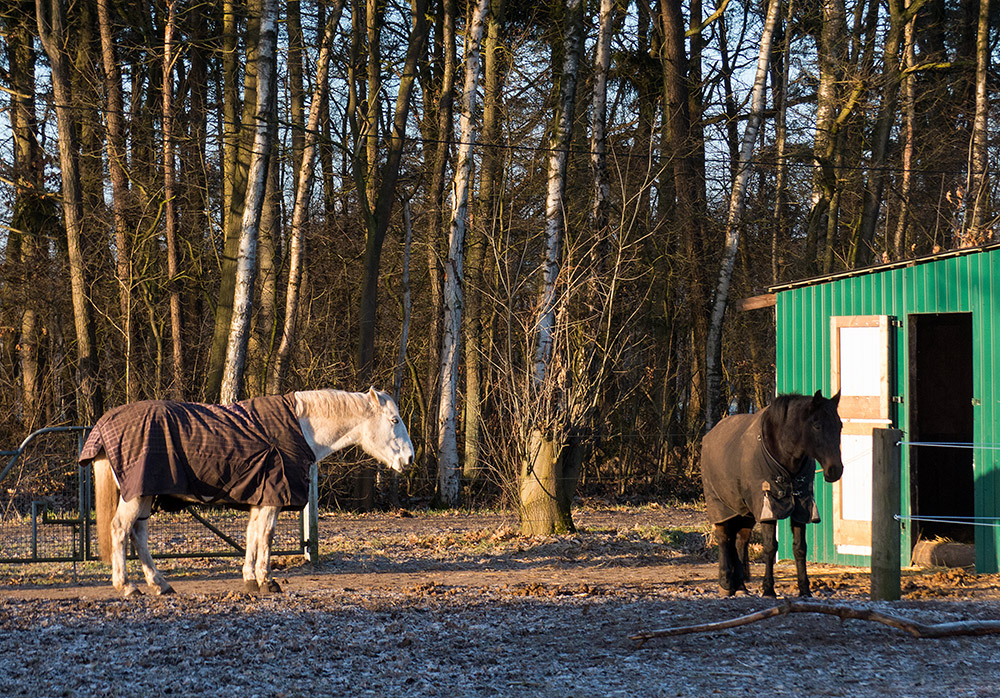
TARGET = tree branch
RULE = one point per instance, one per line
(842, 611)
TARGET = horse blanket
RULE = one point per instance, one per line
(742, 479)
(248, 453)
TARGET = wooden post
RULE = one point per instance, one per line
(885, 578)
(310, 518)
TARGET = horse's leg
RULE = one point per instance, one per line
(267, 519)
(730, 580)
(769, 532)
(799, 549)
(250, 561)
(121, 527)
(743, 551)
(140, 534)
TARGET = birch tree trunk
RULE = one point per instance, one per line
(979, 188)
(444, 134)
(240, 130)
(546, 481)
(300, 209)
(556, 189)
(780, 217)
(713, 351)
(169, 206)
(51, 18)
(239, 333)
(598, 141)
(489, 175)
(449, 470)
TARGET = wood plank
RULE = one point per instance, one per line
(767, 300)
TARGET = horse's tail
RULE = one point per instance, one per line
(105, 503)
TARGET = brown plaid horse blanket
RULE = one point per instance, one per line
(249, 453)
(742, 479)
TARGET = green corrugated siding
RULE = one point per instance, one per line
(957, 284)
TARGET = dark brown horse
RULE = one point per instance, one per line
(759, 468)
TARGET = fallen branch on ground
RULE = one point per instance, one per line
(919, 630)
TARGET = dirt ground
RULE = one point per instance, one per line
(429, 604)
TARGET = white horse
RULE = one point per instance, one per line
(329, 419)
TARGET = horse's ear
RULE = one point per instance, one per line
(373, 397)
(835, 400)
(817, 401)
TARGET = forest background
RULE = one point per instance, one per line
(525, 220)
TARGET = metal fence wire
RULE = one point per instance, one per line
(46, 510)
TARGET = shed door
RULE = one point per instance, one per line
(861, 372)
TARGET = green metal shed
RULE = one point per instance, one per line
(914, 345)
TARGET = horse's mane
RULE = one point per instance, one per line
(780, 404)
(330, 402)
(777, 413)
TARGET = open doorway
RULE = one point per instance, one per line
(940, 404)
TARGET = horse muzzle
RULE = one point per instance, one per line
(403, 463)
(832, 473)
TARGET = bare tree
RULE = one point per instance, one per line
(682, 186)
(907, 142)
(547, 482)
(832, 46)
(489, 196)
(239, 334)
(303, 190)
(378, 213)
(117, 163)
(239, 129)
(441, 129)
(169, 204)
(31, 217)
(51, 18)
(713, 351)
(449, 470)
(979, 188)
(780, 88)
(862, 247)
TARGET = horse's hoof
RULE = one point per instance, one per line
(165, 590)
(270, 587)
(251, 586)
(805, 594)
(131, 590)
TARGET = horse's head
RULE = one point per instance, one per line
(822, 435)
(384, 436)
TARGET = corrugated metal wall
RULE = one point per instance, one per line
(956, 284)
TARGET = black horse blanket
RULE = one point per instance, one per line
(249, 453)
(742, 479)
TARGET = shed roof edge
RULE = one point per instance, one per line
(877, 268)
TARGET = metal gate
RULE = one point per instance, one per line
(46, 511)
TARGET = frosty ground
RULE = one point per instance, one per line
(461, 605)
